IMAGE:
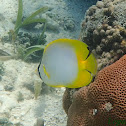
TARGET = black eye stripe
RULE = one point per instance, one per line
(39, 70)
(88, 53)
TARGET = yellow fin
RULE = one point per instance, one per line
(83, 65)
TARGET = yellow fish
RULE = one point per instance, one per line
(67, 63)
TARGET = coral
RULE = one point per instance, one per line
(103, 102)
(104, 30)
(69, 25)
(68, 98)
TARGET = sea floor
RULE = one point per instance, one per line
(18, 105)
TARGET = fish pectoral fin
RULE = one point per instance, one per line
(46, 73)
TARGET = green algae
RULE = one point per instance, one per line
(29, 20)
(32, 49)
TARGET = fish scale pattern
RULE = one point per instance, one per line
(103, 102)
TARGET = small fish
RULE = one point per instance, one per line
(67, 63)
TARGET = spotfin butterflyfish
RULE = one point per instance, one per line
(67, 63)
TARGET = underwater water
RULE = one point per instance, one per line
(26, 27)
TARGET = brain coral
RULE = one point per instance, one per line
(103, 102)
(104, 30)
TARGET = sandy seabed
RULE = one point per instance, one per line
(18, 76)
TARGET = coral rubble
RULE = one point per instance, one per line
(103, 102)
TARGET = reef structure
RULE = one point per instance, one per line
(103, 102)
(104, 30)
